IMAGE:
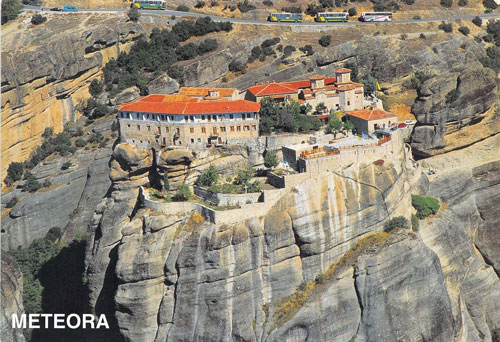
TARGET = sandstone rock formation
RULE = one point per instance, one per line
(12, 298)
(68, 203)
(182, 278)
(46, 71)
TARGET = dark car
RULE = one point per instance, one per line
(56, 9)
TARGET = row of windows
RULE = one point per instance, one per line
(203, 129)
(187, 118)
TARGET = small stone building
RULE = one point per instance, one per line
(371, 119)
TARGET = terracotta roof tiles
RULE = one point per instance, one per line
(192, 91)
(371, 114)
(202, 107)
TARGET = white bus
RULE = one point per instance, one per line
(148, 4)
(376, 16)
(332, 16)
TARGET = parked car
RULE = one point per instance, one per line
(410, 122)
(70, 8)
(56, 9)
(402, 125)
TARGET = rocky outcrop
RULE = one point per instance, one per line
(12, 299)
(395, 293)
(451, 102)
(46, 72)
(181, 278)
(68, 203)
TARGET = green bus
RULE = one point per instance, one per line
(291, 17)
(149, 4)
(332, 16)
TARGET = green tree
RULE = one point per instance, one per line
(182, 8)
(334, 125)
(348, 126)
(477, 21)
(320, 108)
(325, 40)
(15, 171)
(183, 194)
(10, 10)
(30, 183)
(352, 11)
(270, 159)
(307, 49)
(397, 222)
(208, 177)
(425, 206)
(134, 14)
(95, 87)
(38, 19)
(370, 83)
(244, 176)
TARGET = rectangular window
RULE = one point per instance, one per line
(159, 129)
(128, 125)
(246, 128)
(138, 127)
(203, 130)
(203, 118)
(254, 127)
(191, 118)
(166, 129)
(249, 115)
(243, 116)
(149, 128)
(238, 128)
(348, 103)
(231, 116)
(171, 118)
(191, 130)
(232, 128)
(214, 117)
(199, 140)
(186, 118)
(223, 129)
(214, 130)
(192, 141)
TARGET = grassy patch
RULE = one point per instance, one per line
(287, 307)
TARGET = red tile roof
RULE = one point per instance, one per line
(286, 87)
(371, 114)
(202, 107)
(342, 70)
(191, 91)
(272, 89)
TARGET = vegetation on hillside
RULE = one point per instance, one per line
(425, 206)
(10, 10)
(288, 117)
(492, 52)
(148, 58)
(396, 222)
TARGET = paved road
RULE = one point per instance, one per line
(260, 22)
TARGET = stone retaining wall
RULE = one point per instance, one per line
(285, 181)
(220, 199)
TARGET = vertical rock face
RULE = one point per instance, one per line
(12, 299)
(68, 203)
(451, 102)
(41, 86)
(403, 296)
(396, 293)
(169, 278)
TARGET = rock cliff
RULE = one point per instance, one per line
(183, 278)
(68, 203)
(12, 298)
(46, 71)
